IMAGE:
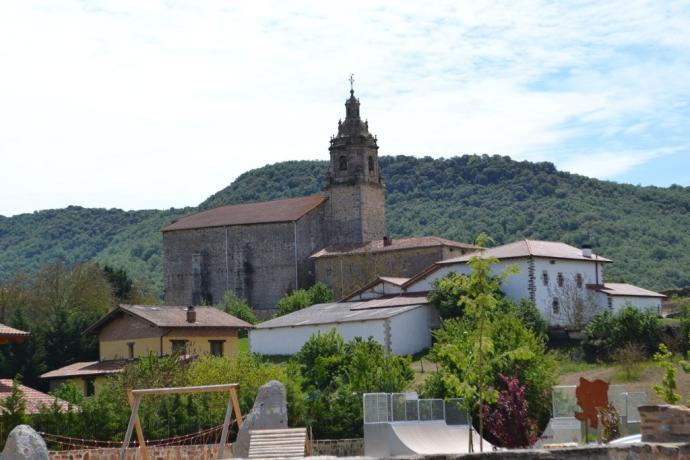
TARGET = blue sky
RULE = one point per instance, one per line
(136, 105)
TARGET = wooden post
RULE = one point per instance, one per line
(137, 426)
(130, 428)
(236, 405)
(226, 422)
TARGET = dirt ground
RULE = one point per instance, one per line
(649, 376)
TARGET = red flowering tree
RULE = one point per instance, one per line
(507, 419)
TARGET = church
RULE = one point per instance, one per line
(261, 251)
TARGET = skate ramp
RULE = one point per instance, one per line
(418, 438)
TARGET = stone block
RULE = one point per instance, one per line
(24, 443)
(269, 412)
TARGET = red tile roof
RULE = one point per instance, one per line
(174, 317)
(395, 245)
(534, 248)
(624, 290)
(34, 398)
(7, 331)
(263, 212)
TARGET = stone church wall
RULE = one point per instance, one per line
(355, 213)
(260, 262)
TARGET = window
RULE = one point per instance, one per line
(371, 164)
(559, 279)
(578, 280)
(89, 389)
(179, 346)
(216, 347)
(130, 350)
(545, 277)
(556, 306)
(343, 163)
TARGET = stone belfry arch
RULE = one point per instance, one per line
(356, 204)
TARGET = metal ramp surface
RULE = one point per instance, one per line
(282, 443)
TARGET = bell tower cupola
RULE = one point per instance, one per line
(354, 183)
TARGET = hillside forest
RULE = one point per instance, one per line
(643, 229)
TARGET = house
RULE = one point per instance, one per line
(133, 331)
(11, 335)
(35, 400)
(564, 282)
(401, 324)
(346, 268)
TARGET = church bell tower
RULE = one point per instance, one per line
(356, 195)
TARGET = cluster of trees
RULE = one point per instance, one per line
(56, 305)
(324, 384)
(302, 298)
(641, 228)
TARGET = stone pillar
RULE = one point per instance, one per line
(665, 423)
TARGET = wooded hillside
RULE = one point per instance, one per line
(644, 229)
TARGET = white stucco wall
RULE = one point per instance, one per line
(377, 291)
(641, 303)
(411, 331)
(515, 286)
(289, 340)
(569, 292)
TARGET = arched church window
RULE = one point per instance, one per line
(371, 164)
(343, 163)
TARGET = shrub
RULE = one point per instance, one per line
(610, 423)
(508, 419)
(628, 357)
(607, 332)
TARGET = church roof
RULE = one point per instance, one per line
(394, 245)
(262, 212)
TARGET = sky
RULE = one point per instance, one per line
(159, 104)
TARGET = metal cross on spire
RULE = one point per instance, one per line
(352, 82)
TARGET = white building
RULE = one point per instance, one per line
(564, 282)
(401, 324)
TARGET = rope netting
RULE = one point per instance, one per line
(203, 437)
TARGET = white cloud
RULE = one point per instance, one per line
(612, 164)
(158, 104)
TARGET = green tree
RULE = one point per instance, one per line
(26, 358)
(302, 298)
(666, 390)
(13, 408)
(335, 374)
(238, 308)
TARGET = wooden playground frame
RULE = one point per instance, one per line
(134, 398)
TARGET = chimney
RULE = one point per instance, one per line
(387, 241)
(586, 250)
(191, 314)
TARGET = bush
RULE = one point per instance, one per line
(608, 332)
(508, 419)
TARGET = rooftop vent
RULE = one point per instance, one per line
(586, 250)
(191, 314)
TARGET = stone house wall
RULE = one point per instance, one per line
(346, 273)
